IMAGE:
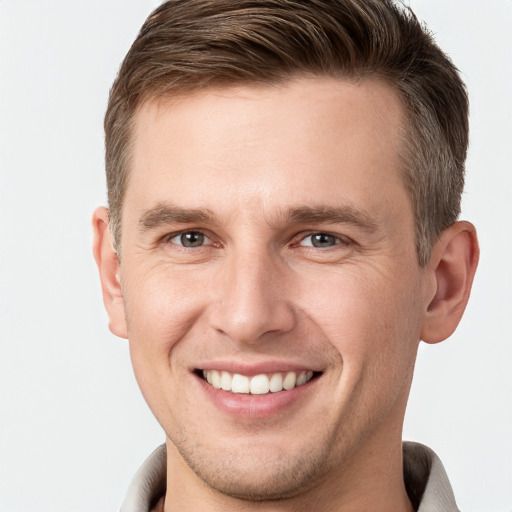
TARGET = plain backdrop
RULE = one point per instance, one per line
(73, 425)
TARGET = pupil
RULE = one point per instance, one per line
(192, 239)
(323, 240)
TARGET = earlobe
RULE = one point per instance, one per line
(453, 265)
(109, 269)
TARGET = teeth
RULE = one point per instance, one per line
(240, 383)
(276, 383)
(215, 378)
(290, 380)
(260, 385)
(257, 385)
(225, 381)
(303, 377)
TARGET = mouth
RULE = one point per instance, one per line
(261, 384)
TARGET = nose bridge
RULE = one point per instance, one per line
(253, 299)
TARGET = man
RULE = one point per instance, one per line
(284, 185)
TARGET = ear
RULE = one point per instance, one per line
(452, 266)
(108, 265)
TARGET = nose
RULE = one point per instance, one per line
(254, 298)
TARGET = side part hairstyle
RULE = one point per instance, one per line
(188, 45)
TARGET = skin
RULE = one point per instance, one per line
(254, 165)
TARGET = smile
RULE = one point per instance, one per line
(258, 384)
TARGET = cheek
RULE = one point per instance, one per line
(160, 306)
(371, 319)
(161, 309)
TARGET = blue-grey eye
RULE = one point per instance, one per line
(320, 240)
(190, 239)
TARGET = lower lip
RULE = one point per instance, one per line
(255, 406)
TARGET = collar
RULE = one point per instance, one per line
(426, 481)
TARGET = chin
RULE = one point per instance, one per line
(256, 476)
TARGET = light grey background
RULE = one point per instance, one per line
(73, 425)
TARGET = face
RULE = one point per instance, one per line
(270, 283)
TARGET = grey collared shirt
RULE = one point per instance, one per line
(425, 480)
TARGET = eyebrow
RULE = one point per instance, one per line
(345, 214)
(164, 214)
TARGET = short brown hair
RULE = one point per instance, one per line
(187, 45)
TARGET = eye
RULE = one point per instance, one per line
(320, 240)
(190, 239)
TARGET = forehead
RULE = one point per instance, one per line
(288, 143)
